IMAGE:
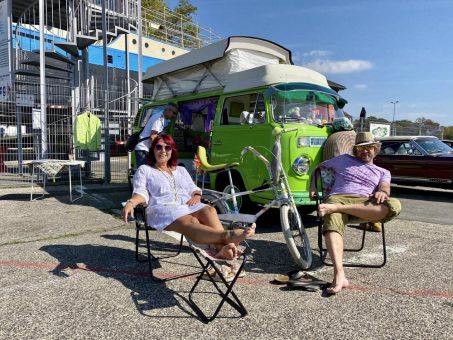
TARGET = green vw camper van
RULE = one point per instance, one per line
(232, 94)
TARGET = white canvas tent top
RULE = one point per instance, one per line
(231, 64)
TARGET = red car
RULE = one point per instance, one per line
(419, 158)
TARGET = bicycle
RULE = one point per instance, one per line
(293, 229)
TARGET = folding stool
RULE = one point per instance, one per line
(206, 261)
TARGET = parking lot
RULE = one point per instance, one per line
(68, 271)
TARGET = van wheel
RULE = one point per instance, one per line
(223, 184)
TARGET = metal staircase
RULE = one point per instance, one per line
(69, 29)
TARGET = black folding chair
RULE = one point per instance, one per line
(141, 225)
(210, 266)
(321, 186)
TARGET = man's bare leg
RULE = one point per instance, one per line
(367, 211)
(334, 243)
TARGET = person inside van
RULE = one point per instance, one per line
(174, 202)
(155, 125)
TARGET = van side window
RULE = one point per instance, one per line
(244, 109)
(195, 123)
(149, 112)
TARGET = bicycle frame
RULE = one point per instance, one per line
(290, 219)
(282, 191)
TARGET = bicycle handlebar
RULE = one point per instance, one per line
(255, 153)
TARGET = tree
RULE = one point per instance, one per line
(175, 26)
(426, 121)
(189, 30)
(152, 6)
(448, 132)
(186, 9)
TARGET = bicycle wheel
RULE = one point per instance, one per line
(219, 205)
(295, 236)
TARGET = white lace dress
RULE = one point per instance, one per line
(165, 195)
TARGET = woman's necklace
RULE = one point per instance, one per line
(172, 180)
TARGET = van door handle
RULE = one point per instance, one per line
(217, 142)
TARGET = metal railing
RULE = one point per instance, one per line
(176, 29)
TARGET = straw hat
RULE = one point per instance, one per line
(365, 138)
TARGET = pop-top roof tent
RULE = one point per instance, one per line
(235, 63)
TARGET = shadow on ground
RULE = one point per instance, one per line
(109, 262)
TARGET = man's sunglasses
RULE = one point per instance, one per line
(159, 147)
(365, 147)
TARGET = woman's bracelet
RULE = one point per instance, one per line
(197, 194)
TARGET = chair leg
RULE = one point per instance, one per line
(323, 251)
(234, 301)
(150, 257)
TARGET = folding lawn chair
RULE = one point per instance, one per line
(211, 268)
(324, 179)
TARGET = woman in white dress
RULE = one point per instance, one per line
(174, 202)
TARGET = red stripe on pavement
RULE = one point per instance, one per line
(245, 282)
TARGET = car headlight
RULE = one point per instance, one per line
(301, 165)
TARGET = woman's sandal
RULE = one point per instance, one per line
(226, 271)
(235, 265)
(283, 279)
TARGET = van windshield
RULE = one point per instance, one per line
(303, 106)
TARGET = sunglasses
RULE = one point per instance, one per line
(159, 147)
(365, 147)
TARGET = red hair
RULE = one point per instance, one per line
(174, 151)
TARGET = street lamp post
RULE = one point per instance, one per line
(393, 120)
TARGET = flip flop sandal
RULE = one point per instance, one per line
(306, 282)
(305, 286)
(283, 279)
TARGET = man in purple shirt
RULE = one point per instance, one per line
(360, 189)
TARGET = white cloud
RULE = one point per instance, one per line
(361, 87)
(317, 53)
(327, 66)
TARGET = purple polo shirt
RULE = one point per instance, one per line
(354, 177)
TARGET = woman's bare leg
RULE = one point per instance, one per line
(208, 216)
(191, 227)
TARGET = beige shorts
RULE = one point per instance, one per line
(337, 221)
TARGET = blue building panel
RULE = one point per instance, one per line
(95, 56)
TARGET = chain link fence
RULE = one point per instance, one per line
(406, 130)
(27, 135)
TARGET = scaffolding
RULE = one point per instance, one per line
(38, 114)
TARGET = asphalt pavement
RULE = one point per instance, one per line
(67, 270)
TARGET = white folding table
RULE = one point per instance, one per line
(50, 168)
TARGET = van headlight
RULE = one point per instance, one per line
(301, 165)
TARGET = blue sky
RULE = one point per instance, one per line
(382, 51)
